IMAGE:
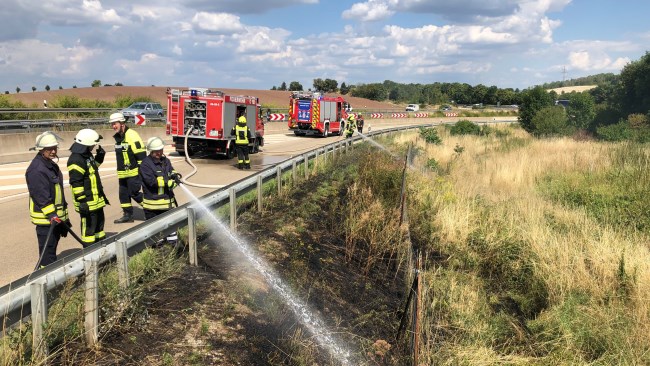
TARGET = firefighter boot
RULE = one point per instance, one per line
(248, 166)
(127, 217)
(240, 166)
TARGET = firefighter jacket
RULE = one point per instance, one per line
(45, 185)
(242, 134)
(129, 151)
(83, 170)
(157, 184)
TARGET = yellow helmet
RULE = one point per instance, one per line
(242, 119)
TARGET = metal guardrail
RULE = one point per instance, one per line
(15, 298)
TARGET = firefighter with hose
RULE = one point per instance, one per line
(48, 208)
(87, 189)
(158, 182)
(242, 136)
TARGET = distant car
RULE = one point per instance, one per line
(445, 108)
(412, 107)
(150, 110)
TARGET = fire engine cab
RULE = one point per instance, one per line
(205, 117)
(314, 114)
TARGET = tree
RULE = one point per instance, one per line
(74, 87)
(283, 86)
(374, 91)
(295, 86)
(531, 102)
(60, 87)
(551, 121)
(118, 84)
(326, 86)
(33, 88)
(47, 87)
(96, 83)
(634, 96)
(581, 110)
(17, 89)
(274, 87)
(6, 91)
(344, 88)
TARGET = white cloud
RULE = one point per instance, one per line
(372, 10)
(217, 22)
(588, 61)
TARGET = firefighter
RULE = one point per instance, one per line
(48, 208)
(360, 122)
(86, 185)
(129, 151)
(349, 129)
(158, 182)
(242, 135)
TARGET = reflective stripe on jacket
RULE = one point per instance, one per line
(129, 153)
(46, 197)
(86, 185)
(157, 185)
(242, 134)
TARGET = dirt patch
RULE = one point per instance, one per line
(268, 98)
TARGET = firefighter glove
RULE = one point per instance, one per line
(56, 220)
(83, 208)
(176, 177)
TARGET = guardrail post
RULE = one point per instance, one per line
(39, 318)
(306, 163)
(91, 307)
(233, 210)
(294, 172)
(122, 264)
(259, 193)
(278, 173)
(191, 236)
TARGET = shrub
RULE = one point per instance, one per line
(618, 132)
(430, 135)
(551, 121)
(465, 127)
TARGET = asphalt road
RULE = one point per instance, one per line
(18, 239)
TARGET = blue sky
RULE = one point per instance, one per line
(256, 44)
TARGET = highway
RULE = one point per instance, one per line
(18, 238)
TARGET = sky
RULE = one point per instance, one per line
(258, 44)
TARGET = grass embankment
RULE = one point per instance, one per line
(537, 250)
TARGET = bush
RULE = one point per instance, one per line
(618, 132)
(465, 127)
(551, 121)
(430, 135)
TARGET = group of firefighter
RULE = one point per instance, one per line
(144, 173)
(354, 123)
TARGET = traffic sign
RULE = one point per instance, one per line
(140, 120)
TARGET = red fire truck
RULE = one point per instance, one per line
(205, 117)
(314, 114)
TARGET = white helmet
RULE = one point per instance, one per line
(46, 139)
(87, 137)
(116, 117)
(155, 144)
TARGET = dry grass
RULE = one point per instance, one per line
(492, 191)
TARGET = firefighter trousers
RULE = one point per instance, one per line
(92, 226)
(242, 154)
(50, 247)
(130, 188)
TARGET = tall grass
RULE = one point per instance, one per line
(538, 250)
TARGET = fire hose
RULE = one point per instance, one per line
(189, 161)
(53, 226)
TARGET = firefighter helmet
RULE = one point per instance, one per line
(46, 139)
(87, 137)
(155, 144)
(116, 117)
(242, 119)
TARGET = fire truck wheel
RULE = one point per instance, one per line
(341, 129)
(327, 131)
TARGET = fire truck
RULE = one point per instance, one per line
(314, 114)
(205, 117)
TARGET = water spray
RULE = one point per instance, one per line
(310, 320)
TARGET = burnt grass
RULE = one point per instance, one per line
(222, 312)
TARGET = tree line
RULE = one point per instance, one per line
(617, 109)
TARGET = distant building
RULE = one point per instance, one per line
(563, 102)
